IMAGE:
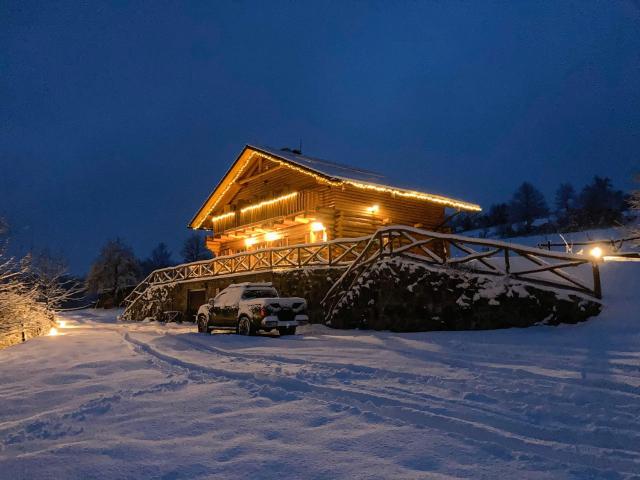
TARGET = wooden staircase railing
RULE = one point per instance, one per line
(479, 256)
(490, 257)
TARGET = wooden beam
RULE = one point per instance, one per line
(251, 178)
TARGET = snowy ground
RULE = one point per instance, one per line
(107, 400)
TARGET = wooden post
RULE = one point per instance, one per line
(597, 287)
(507, 263)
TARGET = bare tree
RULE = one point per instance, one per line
(527, 204)
(55, 287)
(160, 258)
(634, 201)
(194, 249)
(114, 271)
(21, 314)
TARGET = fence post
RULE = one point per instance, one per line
(597, 287)
(507, 263)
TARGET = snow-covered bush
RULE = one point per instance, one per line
(22, 315)
(31, 291)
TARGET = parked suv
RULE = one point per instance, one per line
(250, 307)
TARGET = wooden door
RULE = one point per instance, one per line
(195, 298)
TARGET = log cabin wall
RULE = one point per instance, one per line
(354, 220)
(262, 195)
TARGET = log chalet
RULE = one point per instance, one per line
(271, 198)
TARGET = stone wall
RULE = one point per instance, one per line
(311, 284)
(399, 295)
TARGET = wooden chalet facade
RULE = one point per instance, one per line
(272, 198)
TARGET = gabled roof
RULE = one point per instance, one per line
(330, 172)
(329, 169)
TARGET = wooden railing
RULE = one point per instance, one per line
(302, 202)
(479, 256)
(489, 257)
(335, 253)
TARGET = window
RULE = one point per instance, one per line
(262, 293)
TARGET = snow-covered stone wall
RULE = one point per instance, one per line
(401, 295)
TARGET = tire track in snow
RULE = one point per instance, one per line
(475, 411)
(476, 407)
(394, 410)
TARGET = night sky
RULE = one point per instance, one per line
(118, 119)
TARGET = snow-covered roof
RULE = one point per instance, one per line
(323, 167)
(332, 172)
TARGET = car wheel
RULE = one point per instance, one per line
(245, 327)
(202, 324)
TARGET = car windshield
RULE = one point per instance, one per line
(260, 293)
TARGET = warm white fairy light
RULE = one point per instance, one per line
(249, 242)
(317, 226)
(222, 217)
(268, 202)
(449, 202)
(53, 332)
(373, 209)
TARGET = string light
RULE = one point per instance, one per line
(449, 202)
(223, 216)
(268, 202)
(249, 242)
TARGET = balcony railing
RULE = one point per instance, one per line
(301, 202)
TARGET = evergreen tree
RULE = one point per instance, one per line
(499, 216)
(194, 249)
(565, 198)
(600, 205)
(527, 204)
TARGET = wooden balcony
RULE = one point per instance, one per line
(252, 219)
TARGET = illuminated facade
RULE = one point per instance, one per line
(271, 198)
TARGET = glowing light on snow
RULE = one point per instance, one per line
(53, 332)
(596, 252)
(617, 258)
(62, 323)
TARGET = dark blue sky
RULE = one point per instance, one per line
(118, 119)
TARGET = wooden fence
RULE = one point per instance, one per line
(480, 256)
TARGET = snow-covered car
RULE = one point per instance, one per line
(250, 307)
